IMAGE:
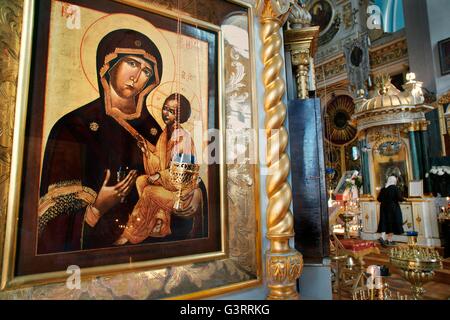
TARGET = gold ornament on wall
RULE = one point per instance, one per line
(339, 129)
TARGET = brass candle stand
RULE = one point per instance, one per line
(350, 211)
(347, 217)
(416, 264)
(382, 293)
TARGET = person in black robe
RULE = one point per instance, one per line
(390, 213)
(94, 153)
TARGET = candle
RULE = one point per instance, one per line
(378, 283)
(311, 75)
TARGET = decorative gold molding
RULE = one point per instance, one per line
(418, 220)
(10, 29)
(423, 125)
(388, 105)
(389, 53)
(339, 135)
(330, 69)
(300, 59)
(20, 95)
(444, 123)
(335, 89)
(445, 99)
(414, 126)
(348, 14)
(367, 198)
(283, 268)
(379, 56)
(302, 43)
(284, 264)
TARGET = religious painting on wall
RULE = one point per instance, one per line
(118, 167)
(321, 14)
(324, 15)
(397, 169)
(391, 159)
(444, 55)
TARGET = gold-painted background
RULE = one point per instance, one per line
(243, 267)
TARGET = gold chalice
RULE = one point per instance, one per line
(347, 217)
(184, 176)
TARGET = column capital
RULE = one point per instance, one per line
(302, 43)
(424, 125)
(414, 126)
(302, 39)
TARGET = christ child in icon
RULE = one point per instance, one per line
(151, 215)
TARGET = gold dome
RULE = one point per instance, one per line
(387, 96)
(388, 105)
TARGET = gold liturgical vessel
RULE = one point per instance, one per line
(184, 176)
(416, 264)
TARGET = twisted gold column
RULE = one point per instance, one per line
(283, 264)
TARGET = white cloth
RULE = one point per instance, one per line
(374, 270)
(392, 181)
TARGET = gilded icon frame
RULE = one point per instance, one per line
(10, 281)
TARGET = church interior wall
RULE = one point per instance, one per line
(388, 54)
(426, 24)
(439, 23)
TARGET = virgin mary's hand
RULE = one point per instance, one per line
(191, 201)
(109, 196)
